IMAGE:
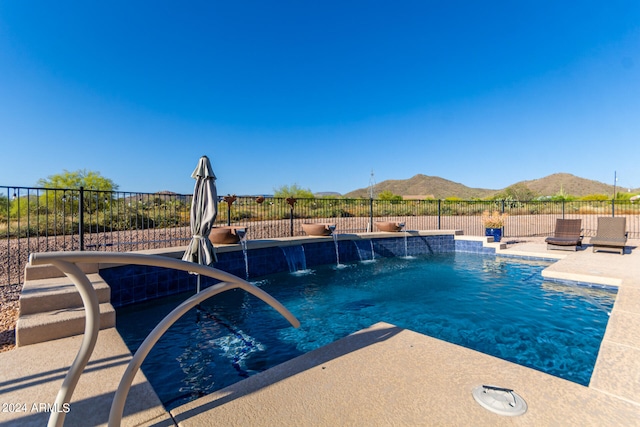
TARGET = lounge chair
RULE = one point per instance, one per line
(567, 236)
(611, 234)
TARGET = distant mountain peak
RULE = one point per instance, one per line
(425, 186)
(567, 184)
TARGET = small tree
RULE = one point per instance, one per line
(66, 180)
(517, 192)
(294, 191)
(388, 195)
(90, 180)
(562, 196)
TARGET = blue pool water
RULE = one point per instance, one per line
(497, 306)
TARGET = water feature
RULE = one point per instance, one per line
(296, 260)
(242, 235)
(365, 250)
(406, 244)
(332, 228)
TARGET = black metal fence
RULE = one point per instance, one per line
(40, 220)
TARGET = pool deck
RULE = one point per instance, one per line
(383, 375)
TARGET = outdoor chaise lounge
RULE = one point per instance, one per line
(567, 236)
(611, 234)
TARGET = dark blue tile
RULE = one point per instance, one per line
(136, 283)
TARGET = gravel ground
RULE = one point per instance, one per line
(9, 295)
(8, 315)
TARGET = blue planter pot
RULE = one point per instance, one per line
(495, 232)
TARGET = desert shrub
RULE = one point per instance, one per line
(4, 207)
(240, 214)
(168, 220)
(389, 196)
(24, 230)
(595, 197)
(622, 196)
(517, 192)
(132, 220)
(343, 213)
(627, 208)
(533, 209)
(23, 206)
(593, 209)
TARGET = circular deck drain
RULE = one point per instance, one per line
(502, 401)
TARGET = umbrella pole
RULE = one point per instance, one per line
(199, 262)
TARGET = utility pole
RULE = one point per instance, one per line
(613, 202)
(372, 183)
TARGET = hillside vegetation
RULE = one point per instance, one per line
(568, 184)
(440, 188)
(423, 185)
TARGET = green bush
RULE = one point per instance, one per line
(597, 197)
(4, 206)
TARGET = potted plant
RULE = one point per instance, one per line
(493, 224)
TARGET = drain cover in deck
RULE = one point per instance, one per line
(502, 401)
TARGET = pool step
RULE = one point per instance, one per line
(43, 295)
(51, 306)
(62, 323)
(48, 271)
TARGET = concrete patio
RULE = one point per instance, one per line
(383, 375)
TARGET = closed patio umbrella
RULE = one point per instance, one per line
(204, 209)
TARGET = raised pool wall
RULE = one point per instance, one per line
(135, 283)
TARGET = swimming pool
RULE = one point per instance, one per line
(494, 305)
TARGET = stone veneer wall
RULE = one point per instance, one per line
(134, 283)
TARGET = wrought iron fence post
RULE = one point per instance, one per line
(229, 199)
(613, 207)
(292, 202)
(371, 214)
(562, 208)
(439, 213)
(81, 218)
(291, 222)
(503, 211)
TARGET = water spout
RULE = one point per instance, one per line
(401, 225)
(363, 249)
(242, 235)
(296, 259)
(332, 228)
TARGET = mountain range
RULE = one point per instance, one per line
(423, 186)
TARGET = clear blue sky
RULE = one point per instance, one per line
(319, 93)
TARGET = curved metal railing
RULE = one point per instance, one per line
(66, 262)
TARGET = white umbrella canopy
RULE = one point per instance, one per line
(204, 209)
